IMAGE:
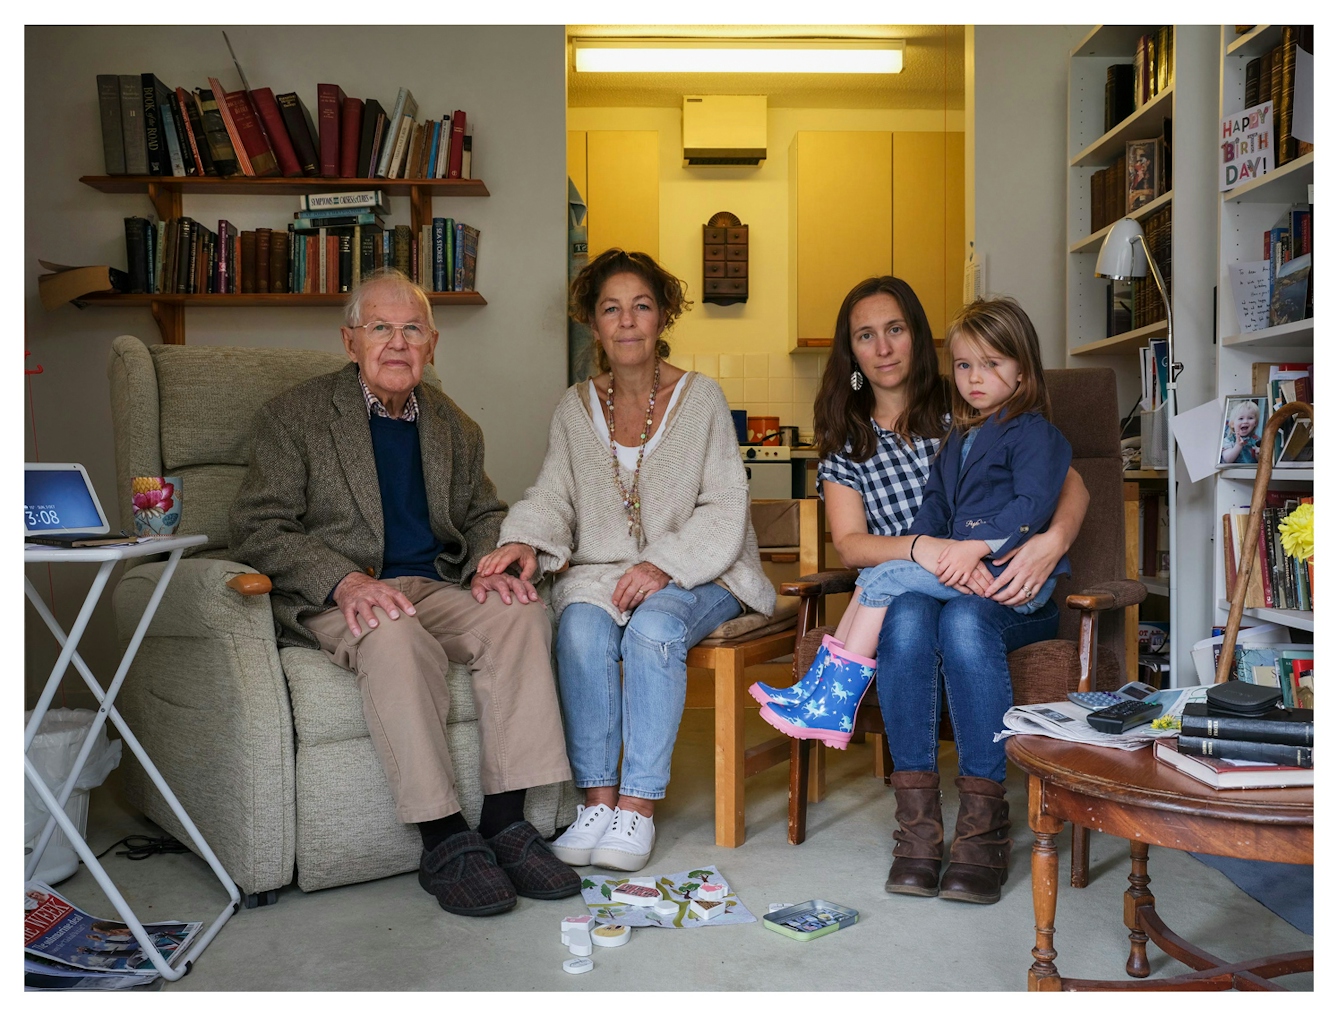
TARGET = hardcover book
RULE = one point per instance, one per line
(1248, 751)
(329, 101)
(234, 137)
(1228, 775)
(364, 200)
(153, 93)
(350, 136)
(457, 144)
(199, 147)
(132, 125)
(109, 113)
(169, 132)
(1281, 726)
(271, 118)
(252, 133)
(372, 117)
(301, 131)
(405, 105)
(216, 134)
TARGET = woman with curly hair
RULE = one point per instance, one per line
(641, 508)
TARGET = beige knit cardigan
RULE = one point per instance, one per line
(694, 505)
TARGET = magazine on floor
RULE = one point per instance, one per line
(1068, 721)
(56, 931)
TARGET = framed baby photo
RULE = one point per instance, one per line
(1242, 429)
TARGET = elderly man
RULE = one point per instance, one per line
(367, 505)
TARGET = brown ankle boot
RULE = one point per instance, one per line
(978, 860)
(919, 849)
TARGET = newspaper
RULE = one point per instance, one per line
(72, 945)
(1068, 721)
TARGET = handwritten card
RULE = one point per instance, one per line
(1249, 285)
(1246, 146)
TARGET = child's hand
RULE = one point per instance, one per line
(958, 560)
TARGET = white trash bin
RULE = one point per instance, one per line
(53, 753)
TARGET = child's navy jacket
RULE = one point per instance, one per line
(1006, 490)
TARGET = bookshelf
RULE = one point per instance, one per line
(167, 196)
(1244, 214)
(1190, 102)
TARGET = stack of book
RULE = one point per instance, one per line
(149, 129)
(1287, 249)
(1278, 580)
(1148, 307)
(1154, 62)
(1236, 752)
(1273, 77)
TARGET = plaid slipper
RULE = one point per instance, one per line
(462, 873)
(530, 864)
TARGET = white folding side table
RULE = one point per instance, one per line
(108, 558)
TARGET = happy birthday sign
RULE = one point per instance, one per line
(1246, 145)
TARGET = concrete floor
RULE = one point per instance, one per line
(389, 935)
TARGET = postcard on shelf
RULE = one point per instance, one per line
(1246, 145)
(1288, 301)
(1249, 285)
(1143, 170)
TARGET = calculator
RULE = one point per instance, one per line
(1134, 691)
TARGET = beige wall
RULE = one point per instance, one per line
(505, 363)
(1018, 136)
(746, 345)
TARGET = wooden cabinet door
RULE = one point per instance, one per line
(841, 216)
(929, 219)
(623, 190)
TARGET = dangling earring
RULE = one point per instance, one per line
(856, 380)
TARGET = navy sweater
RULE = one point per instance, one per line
(411, 548)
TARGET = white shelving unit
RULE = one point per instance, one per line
(1244, 214)
(1191, 103)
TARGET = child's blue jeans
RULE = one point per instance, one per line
(884, 582)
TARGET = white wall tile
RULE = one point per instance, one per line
(779, 365)
(733, 389)
(808, 364)
(754, 393)
(754, 364)
(731, 365)
(805, 390)
(708, 364)
(780, 389)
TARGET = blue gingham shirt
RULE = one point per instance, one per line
(891, 481)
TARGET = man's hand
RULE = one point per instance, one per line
(504, 585)
(637, 583)
(356, 595)
(1029, 565)
(958, 561)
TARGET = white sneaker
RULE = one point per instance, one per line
(627, 844)
(573, 847)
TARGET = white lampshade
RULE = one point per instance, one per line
(1122, 255)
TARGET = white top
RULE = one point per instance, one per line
(627, 454)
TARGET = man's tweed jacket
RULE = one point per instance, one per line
(309, 510)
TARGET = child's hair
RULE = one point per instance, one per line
(1243, 405)
(1000, 325)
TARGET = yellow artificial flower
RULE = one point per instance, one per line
(1298, 532)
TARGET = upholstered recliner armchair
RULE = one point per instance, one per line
(265, 746)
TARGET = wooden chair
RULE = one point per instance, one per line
(1085, 655)
(788, 530)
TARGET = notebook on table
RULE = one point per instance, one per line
(61, 508)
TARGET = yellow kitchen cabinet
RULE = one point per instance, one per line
(617, 172)
(868, 203)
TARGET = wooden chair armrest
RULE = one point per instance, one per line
(250, 584)
(1115, 595)
(820, 584)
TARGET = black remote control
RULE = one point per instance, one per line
(1120, 717)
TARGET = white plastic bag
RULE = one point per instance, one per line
(53, 753)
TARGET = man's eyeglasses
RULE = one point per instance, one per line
(380, 332)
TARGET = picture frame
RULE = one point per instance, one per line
(1242, 430)
(1142, 160)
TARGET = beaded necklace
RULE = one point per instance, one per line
(632, 497)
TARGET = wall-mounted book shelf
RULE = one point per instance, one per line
(1145, 122)
(1091, 244)
(1287, 183)
(167, 192)
(1124, 342)
(1293, 333)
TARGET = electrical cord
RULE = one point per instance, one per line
(140, 847)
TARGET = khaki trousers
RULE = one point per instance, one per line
(401, 669)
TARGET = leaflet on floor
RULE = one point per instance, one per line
(680, 888)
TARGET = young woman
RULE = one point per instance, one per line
(881, 412)
(642, 507)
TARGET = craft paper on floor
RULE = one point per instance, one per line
(680, 888)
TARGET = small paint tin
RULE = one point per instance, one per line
(666, 908)
(810, 920)
(611, 935)
(579, 965)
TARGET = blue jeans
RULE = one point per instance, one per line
(961, 645)
(882, 583)
(638, 710)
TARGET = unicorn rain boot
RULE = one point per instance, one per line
(803, 688)
(828, 713)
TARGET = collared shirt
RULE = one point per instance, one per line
(376, 408)
(891, 481)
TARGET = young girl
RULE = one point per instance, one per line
(994, 484)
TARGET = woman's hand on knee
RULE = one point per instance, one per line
(1029, 565)
(637, 583)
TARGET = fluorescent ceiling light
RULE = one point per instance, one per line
(883, 56)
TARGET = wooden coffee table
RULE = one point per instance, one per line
(1130, 794)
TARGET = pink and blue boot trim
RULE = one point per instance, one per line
(765, 694)
(828, 713)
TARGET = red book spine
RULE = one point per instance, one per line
(1262, 564)
(182, 99)
(350, 136)
(252, 134)
(457, 144)
(272, 119)
(329, 100)
(331, 263)
(234, 138)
